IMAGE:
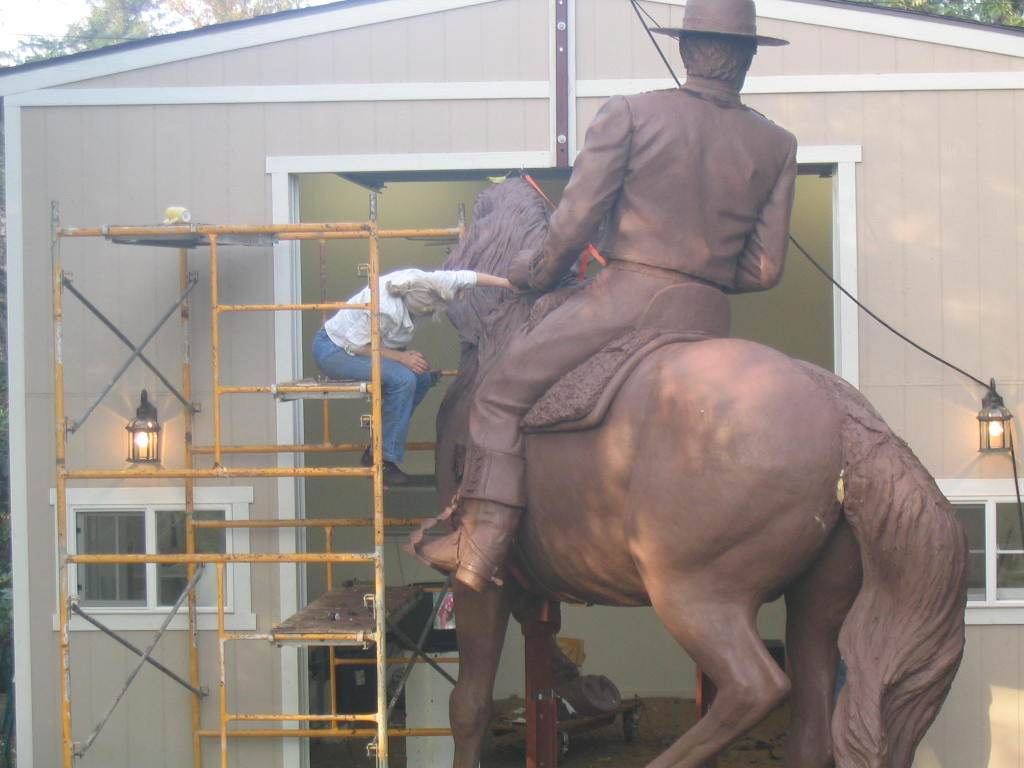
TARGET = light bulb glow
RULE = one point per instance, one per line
(142, 440)
(995, 429)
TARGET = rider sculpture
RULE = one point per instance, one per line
(692, 187)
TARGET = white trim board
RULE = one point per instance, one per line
(21, 571)
(522, 90)
(299, 93)
(424, 161)
(787, 84)
(290, 490)
(244, 36)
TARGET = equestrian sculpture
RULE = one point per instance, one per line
(664, 464)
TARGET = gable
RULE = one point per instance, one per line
(198, 59)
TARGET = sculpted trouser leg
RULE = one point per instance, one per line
(493, 487)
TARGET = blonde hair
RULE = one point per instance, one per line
(421, 293)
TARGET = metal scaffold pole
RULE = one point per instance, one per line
(377, 420)
(376, 615)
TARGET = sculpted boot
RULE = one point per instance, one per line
(476, 550)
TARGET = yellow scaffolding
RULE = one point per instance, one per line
(213, 237)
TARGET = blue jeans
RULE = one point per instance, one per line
(403, 389)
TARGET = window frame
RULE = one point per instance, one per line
(987, 493)
(235, 501)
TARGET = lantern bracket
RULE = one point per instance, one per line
(74, 426)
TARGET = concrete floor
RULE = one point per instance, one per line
(662, 721)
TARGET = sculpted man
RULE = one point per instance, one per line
(696, 187)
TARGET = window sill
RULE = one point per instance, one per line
(980, 615)
(150, 621)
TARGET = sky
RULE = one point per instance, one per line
(37, 17)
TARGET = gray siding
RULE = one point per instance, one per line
(940, 230)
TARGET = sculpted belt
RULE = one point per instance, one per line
(649, 269)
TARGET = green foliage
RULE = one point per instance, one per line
(1005, 12)
(199, 13)
(116, 21)
(108, 22)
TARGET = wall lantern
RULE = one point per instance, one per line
(993, 422)
(144, 434)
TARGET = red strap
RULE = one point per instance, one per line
(590, 252)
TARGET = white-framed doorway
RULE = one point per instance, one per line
(284, 171)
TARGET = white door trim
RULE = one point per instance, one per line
(288, 367)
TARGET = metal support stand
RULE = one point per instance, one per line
(541, 706)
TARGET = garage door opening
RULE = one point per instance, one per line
(796, 317)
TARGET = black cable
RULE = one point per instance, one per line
(1016, 483)
(636, 7)
(649, 16)
(915, 345)
(882, 322)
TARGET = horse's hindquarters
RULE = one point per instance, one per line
(718, 457)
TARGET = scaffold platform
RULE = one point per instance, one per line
(320, 389)
(346, 612)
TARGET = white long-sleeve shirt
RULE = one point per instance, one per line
(350, 328)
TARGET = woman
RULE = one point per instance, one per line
(342, 347)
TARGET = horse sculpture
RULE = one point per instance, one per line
(724, 475)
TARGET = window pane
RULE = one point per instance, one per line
(1008, 527)
(976, 576)
(1010, 577)
(170, 539)
(112, 532)
(972, 517)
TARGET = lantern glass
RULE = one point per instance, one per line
(993, 424)
(144, 434)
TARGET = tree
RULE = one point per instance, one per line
(1005, 12)
(108, 22)
(200, 13)
(116, 21)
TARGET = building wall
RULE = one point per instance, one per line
(940, 234)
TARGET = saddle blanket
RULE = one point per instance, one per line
(581, 398)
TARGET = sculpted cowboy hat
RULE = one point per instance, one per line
(736, 18)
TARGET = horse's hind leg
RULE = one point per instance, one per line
(816, 606)
(481, 619)
(722, 638)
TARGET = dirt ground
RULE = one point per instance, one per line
(661, 722)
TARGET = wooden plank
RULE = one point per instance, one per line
(343, 610)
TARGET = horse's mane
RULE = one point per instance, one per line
(507, 218)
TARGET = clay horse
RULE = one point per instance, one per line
(705, 476)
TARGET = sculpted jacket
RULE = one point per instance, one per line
(692, 181)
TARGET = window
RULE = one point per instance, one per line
(995, 580)
(139, 520)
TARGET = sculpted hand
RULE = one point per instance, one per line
(414, 361)
(521, 269)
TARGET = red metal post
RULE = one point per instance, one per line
(541, 707)
(561, 52)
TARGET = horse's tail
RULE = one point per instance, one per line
(903, 639)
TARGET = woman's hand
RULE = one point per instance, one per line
(414, 361)
(485, 280)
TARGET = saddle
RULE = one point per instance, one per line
(687, 312)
